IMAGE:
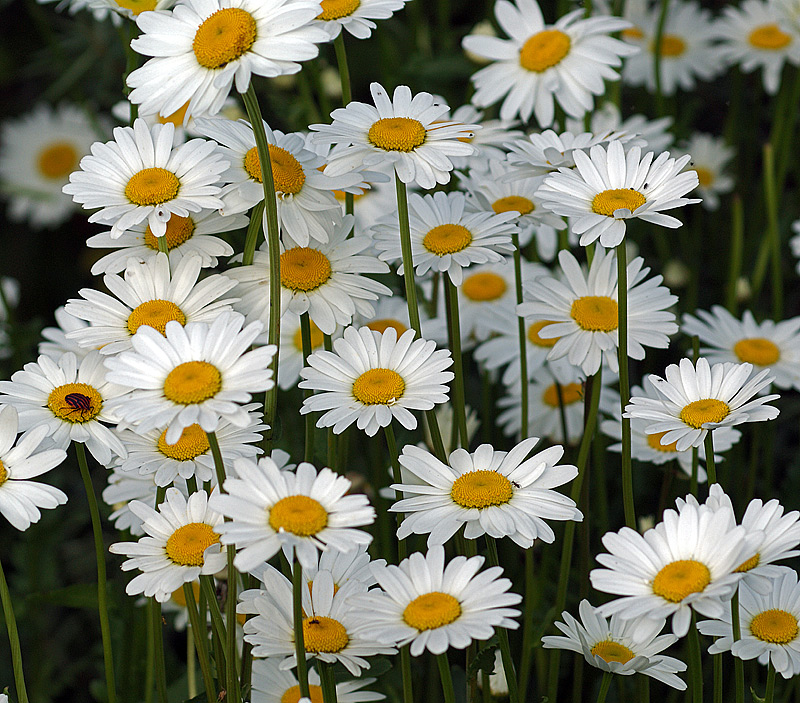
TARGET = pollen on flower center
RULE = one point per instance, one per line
(397, 134)
(432, 610)
(484, 287)
(336, 9)
(152, 186)
(379, 387)
(671, 45)
(595, 313)
(680, 578)
(75, 402)
(611, 651)
(292, 694)
(447, 239)
(137, 6)
(481, 489)
(654, 440)
(57, 160)
(317, 337)
(287, 173)
(544, 50)
(570, 393)
(155, 314)
(705, 176)
(698, 412)
(770, 37)
(304, 268)
(179, 230)
(513, 203)
(300, 515)
(186, 545)
(179, 597)
(757, 350)
(177, 118)
(383, 325)
(632, 33)
(192, 382)
(748, 565)
(322, 634)
(607, 202)
(192, 443)
(223, 37)
(775, 626)
(533, 334)
(3, 474)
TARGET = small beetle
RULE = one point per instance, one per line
(78, 402)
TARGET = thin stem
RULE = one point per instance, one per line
(717, 658)
(405, 669)
(163, 247)
(191, 664)
(149, 663)
(738, 664)
(344, 69)
(299, 643)
(695, 663)
(447, 679)
(523, 341)
(624, 385)
(253, 230)
(527, 626)
(770, 695)
(693, 478)
(711, 466)
(327, 681)
(305, 336)
(198, 629)
(644, 689)
(502, 633)
(13, 638)
(773, 233)
(158, 642)
(737, 246)
(100, 557)
(459, 404)
(217, 625)
(604, 686)
(657, 44)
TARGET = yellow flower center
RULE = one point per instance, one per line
(757, 350)
(611, 651)
(223, 37)
(513, 203)
(595, 313)
(698, 412)
(533, 334)
(680, 578)
(671, 45)
(75, 402)
(186, 545)
(770, 37)
(336, 9)
(304, 268)
(322, 634)
(570, 393)
(481, 489)
(292, 695)
(57, 160)
(155, 314)
(179, 230)
(397, 134)
(317, 337)
(287, 172)
(484, 287)
(152, 186)
(137, 6)
(379, 387)
(192, 443)
(192, 382)
(447, 239)
(3, 474)
(179, 597)
(608, 202)
(544, 50)
(705, 176)
(632, 33)
(432, 610)
(300, 515)
(775, 626)
(383, 325)
(176, 117)
(748, 565)
(654, 440)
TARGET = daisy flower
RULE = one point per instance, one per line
(201, 47)
(770, 626)
(302, 510)
(581, 311)
(344, 565)
(291, 348)
(356, 15)
(624, 647)
(21, 498)
(500, 494)
(489, 140)
(607, 120)
(404, 131)
(697, 400)
(389, 312)
(140, 176)
(57, 343)
(772, 345)
(125, 8)
(38, 151)
(758, 35)
(324, 280)
(71, 399)
(180, 544)
(569, 61)
(710, 156)
(372, 378)
(195, 374)
(148, 296)
(432, 606)
(608, 187)
(125, 488)
(686, 562)
(186, 237)
(446, 236)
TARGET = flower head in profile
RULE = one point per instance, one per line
(355, 16)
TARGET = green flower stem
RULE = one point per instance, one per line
(305, 335)
(486, 690)
(459, 400)
(299, 643)
(695, 663)
(217, 623)
(717, 658)
(13, 639)
(784, 147)
(770, 694)
(526, 657)
(198, 628)
(158, 641)
(644, 688)
(771, 198)
(693, 479)
(657, 41)
(163, 247)
(253, 230)
(274, 248)
(502, 633)
(711, 466)
(738, 664)
(150, 655)
(604, 686)
(737, 246)
(593, 390)
(344, 69)
(394, 458)
(328, 682)
(523, 341)
(624, 384)
(447, 679)
(131, 64)
(405, 668)
(191, 664)
(100, 556)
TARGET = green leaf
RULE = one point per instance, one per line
(756, 697)
(484, 659)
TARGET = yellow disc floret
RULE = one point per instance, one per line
(137, 6)
(570, 393)
(447, 239)
(155, 314)
(152, 186)
(177, 118)
(607, 202)
(775, 626)
(671, 46)
(697, 413)
(705, 176)
(287, 173)
(513, 203)
(679, 579)
(770, 37)
(317, 337)
(75, 402)
(293, 695)
(224, 37)
(481, 489)
(536, 339)
(300, 515)
(336, 9)
(749, 564)
(432, 610)
(397, 134)
(186, 545)
(483, 287)
(595, 313)
(3, 474)
(179, 230)
(192, 443)
(758, 351)
(611, 651)
(654, 441)
(57, 160)
(379, 387)
(323, 634)
(192, 382)
(383, 325)
(544, 50)
(304, 269)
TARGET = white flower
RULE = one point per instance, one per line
(489, 141)
(607, 120)
(356, 15)
(291, 348)
(57, 341)
(710, 156)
